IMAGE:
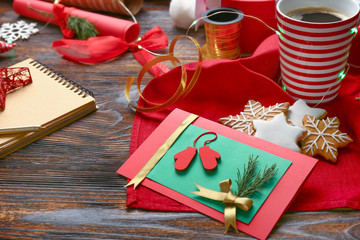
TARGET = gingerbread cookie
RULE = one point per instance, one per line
(278, 131)
(299, 109)
(253, 110)
(323, 138)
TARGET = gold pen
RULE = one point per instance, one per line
(20, 129)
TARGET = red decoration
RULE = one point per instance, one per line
(6, 47)
(115, 35)
(184, 158)
(208, 156)
(12, 79)
(328, 186)
(98, 49)
(106, 25)
(61, 15)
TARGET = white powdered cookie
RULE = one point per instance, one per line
(278, 131)
(299, 109)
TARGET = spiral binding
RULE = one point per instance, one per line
(68, 83)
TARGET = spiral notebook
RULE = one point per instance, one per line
(51, 101)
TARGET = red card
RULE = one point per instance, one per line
(274, 206)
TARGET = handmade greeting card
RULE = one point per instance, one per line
(238, 179)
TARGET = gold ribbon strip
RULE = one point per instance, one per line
(141, 175)
(184, 86)
(229, 199)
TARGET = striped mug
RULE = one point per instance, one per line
(315, 37)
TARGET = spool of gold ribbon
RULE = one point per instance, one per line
(222, 29)
(230, 200)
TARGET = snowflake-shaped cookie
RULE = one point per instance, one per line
(253, 110)
(19, 30)
(278, 131)
(323, 137)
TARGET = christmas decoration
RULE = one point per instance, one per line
(19, 30)
(292, 170)
(208, 156)
(182, 12)
(5, 46)
(249, 182)
(106, 26)
(106, 37)
(12, 79)
(83, 29)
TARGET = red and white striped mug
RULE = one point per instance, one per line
(313, 54)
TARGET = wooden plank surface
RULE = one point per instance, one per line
(64, 186)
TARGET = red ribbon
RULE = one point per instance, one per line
(103, 48)
(12, 79)
(61, 15)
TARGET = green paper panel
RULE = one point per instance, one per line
(234, 155)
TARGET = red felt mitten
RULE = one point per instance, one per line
(184, 158)
(209, 158)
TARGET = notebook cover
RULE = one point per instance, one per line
(272, 209)
(51, 101)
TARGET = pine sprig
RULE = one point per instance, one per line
(83, 28)
(251, 181)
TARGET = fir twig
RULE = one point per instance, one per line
(83, 28)
(252, 181)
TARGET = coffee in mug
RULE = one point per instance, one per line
(315, 38)
(316, 15)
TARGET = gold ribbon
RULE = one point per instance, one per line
(184, 86)
(161, 151)
(229, 199)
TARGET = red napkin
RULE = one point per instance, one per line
(223, 88)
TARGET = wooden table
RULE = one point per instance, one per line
(64, 186)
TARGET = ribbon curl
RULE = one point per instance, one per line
(230, 200)
(184, 87)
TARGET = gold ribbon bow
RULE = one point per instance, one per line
(229, 199)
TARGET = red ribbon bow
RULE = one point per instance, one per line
(12, 79)
(102, 48)
(61, 15)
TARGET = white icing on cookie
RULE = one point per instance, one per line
(323, 137)
(278, 131)
(253, 110)
(239, 122)
(271, 111)
(299, 109)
